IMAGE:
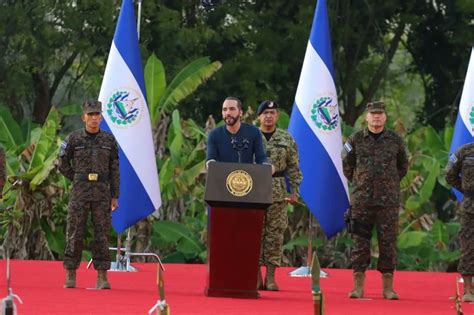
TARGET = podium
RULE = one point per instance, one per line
(237, 195)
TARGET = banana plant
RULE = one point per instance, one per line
(163, 98)
(37, 187)
(181, 172)
(176, 171)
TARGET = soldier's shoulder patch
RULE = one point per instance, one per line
(347, 147)
(62, 150)
(453, 158)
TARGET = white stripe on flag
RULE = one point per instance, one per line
(139, 150)
(316, 80)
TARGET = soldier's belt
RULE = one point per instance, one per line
(91, 177)
(279, 174)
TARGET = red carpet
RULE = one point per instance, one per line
(39, 284)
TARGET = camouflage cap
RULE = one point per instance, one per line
(266, 105)
(376, 107)
(91, 107)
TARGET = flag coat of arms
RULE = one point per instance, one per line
(126, 116)
(315, 124)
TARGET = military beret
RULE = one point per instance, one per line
(376, 107)
(266, 105)
(92, 107)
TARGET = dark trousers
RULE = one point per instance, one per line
(76, 228)
(385, 220)
(466, 239)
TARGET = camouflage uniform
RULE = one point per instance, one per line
(375, 168)
(460, 174)
(82, 154)
(283, 155)
(3, 171)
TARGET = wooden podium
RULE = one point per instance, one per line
(237, 195)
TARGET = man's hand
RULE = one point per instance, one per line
(292, 199)
(114, 204)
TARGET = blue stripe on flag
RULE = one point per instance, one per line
(321, 188)
(126, 41)
(132, 195)
(139, 187)
(320, 35)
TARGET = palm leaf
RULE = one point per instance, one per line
(46, 144)
(155, 81)
(46, 168)
(176, 146)
(176, 232)
(10, 131)
(187, 81)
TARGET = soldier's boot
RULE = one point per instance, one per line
(358, 290)
(102, 282)
(468, 289)
(70, 278)
(388, 292)
(260, 285)
(270, 283)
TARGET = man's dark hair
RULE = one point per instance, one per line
(233, 98)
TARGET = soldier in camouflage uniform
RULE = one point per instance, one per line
(282, 153)
(375, 160)
(89, 158)
(3, 172)
(460, 174)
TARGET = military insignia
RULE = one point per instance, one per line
(325, 113)
(62, 149)
(124, 107)
(348, 147)
(453, 158)
(239, 183)
(270, 105)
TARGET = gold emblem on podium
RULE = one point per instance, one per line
(239, 183)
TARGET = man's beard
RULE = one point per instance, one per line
(230, 120)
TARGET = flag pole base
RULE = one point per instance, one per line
(124, 254)
(306, 272)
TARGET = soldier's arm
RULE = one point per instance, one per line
(402, 159)
(114, 171)
(348, 158)
(293, 168)
(3, 171)
(259, 149)
(65, 156)
(453, 170)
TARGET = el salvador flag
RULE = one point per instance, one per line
(126, 115)
(464, 128)
(316, 126)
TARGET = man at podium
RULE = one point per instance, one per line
(238, 191)
(235, 141)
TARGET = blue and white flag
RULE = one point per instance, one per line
(315, 124)
(126, 115)
(464, 128)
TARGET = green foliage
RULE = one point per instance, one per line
(168, 234)
(166, 98)
(427, 250)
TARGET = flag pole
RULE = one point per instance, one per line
(123, 262)
(139, 16)
(305, 271)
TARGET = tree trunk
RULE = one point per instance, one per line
(42, 103)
